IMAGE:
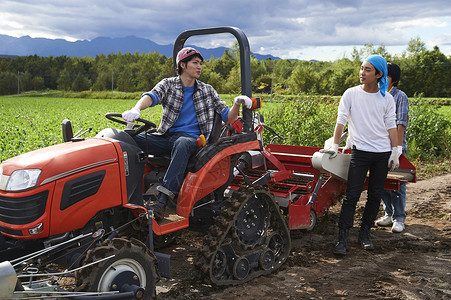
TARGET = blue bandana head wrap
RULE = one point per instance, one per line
(381, 65)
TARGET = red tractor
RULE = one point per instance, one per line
(83, 205)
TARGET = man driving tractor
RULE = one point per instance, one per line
(189, 106)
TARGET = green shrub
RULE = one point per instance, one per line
(428, 133)
(310, 120)
(302, 120)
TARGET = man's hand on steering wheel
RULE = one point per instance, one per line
(132, 124)
(132, 114)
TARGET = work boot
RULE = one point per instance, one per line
(159, 206)
(364, 238)
(340, 247)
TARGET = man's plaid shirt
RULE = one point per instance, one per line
(402, 111)
(206, 102)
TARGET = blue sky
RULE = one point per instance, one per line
(295, 29)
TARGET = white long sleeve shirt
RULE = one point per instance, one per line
(370, 116)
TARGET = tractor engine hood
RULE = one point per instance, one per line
(60, 160)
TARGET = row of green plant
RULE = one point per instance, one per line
(34, 122)
(424, 71)
(272, 98)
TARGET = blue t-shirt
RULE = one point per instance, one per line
(187, 120)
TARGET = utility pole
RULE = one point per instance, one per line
(112, 83)
(272, 80)
(18, 82)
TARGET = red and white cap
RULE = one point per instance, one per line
(186, 52)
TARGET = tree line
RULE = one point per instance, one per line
(425, 72)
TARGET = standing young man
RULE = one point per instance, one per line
(370, 111)
(189, 106)
(395, 201)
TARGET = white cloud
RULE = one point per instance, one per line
(282, 28)
(444, 39)
(421, 22)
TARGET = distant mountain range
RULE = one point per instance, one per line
(23, 46)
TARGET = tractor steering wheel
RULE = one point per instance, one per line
(147, 125)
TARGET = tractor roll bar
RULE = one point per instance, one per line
(245, 61)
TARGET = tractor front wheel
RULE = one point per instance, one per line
(132, 268)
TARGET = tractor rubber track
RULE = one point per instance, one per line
(250, 238)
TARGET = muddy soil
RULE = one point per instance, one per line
(414, 264)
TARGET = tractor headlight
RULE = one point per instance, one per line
(22, 179)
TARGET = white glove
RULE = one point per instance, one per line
(393, 161)
(332, 150)
(245, 100)
(348, 145)
(328, 143)
(399, 151)
(131, 115)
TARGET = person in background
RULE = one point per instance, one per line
(189, 106)
(394, 202)
(370, 111)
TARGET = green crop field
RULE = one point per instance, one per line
(446, 111)
(30, 123)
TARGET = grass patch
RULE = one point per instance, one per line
(428, 169)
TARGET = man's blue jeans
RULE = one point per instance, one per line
(394, 202)
(180, 146)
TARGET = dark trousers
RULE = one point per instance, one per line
(361, 163)
(180, 146)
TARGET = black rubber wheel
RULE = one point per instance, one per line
(241, 268)
(132, 264)
(275, 243)
(219, 264)
(252, 221)
(266, 260)
(313, 220)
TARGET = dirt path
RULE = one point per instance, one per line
(415, 264)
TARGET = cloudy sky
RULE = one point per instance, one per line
(302, 29)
